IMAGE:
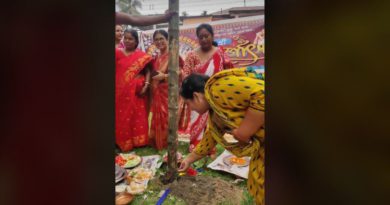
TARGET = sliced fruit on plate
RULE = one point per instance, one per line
(237, 160)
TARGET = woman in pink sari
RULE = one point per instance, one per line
(208, 59)
(159, 105)
(132, 81)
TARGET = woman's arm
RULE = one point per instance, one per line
(162, 73)
(123, 18)
(252, 122)
(147, 74)
(254, 117)
(160, 76)
(147, 80)
(202, 149)
(186, 163)
(250, 99)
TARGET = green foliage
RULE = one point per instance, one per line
(129, 6)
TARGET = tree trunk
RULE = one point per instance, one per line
(173, 91)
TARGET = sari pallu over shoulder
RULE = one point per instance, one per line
(131, 128)
(127, 67)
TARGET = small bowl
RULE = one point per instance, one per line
(123, 198)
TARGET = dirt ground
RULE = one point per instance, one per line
(205, 190)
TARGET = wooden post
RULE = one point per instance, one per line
(173, 91)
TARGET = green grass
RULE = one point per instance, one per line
(248, 199)
(226, 203)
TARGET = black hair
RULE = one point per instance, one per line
(195, 82)
(134, 33)
(205, 26)
(162, 32)
(209, 28)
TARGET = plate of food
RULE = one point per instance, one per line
(120, 173)
(120, 178)
(120, 188)
(238, 161)
(140, 174)
(128, 160)
(136, 187)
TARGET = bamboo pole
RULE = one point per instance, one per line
(173, 91)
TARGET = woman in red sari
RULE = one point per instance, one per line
(159, 105)
(132, 81)
(208, 59)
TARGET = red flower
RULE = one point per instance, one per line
(191, 172)
(119, 160)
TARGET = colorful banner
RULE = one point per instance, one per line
(242, 39)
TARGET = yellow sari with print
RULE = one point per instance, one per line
(230, 94)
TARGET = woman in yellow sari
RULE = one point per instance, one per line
(235, 101)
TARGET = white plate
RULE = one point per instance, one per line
(119, 170)
(120, 178)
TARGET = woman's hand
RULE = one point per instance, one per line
(184, 165)
(168, 14)
(160, 76)
(143, 91)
